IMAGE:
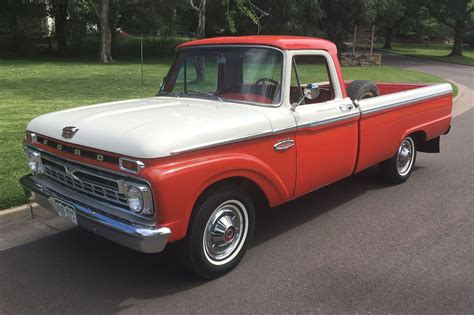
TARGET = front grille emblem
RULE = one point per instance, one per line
(69, 132)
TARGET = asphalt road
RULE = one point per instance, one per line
(454, 72)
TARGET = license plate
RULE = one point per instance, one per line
(65, 210)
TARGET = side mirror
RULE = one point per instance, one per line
(311, 92)
(162, 84)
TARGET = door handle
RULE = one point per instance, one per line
(284, 145)
(346, 107)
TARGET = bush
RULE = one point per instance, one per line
(128, 47)
(469, 39)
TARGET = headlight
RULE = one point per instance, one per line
(139, 198)
(135, 199)
(34, 161)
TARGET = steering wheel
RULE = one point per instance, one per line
(260, 81)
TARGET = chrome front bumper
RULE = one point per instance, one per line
(146, 239)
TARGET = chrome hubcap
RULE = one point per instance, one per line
(225, 231)
(405, 156)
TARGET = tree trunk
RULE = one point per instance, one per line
(105, 54)
(60, 20)
(458, 39)
(199, 62)
(201, 29)
(174, 18)
(388, 38)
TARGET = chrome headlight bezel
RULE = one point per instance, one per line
(133, 190)
(34, 161)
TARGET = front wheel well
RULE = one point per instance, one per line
(245, 184)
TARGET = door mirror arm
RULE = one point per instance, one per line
(311, 92)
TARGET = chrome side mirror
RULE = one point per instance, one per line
(310, 91)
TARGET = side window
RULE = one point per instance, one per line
(311, 69)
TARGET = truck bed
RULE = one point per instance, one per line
(401, 110)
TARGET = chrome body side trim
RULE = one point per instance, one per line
(390, 101)
(265, 134)
(283, 130)
(223, 142)
(92, 216)
(329, 121)
(403, 103)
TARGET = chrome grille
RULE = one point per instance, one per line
(100, 187)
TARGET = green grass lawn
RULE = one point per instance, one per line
(432, 51)
(31, 88)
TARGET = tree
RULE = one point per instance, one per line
(105, 51)
(390, 15)
(201, 10)
(59, 11)
(298, 17)
(342, 15)
(457, 14)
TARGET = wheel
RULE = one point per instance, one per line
(361, 89)
(220, 231)
(262, 80)
(397, 169)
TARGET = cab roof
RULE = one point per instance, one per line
(279, 41)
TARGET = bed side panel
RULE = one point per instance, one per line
(386, 120)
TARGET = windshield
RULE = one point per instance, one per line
(242, 74)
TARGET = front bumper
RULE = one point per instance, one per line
(144, 239)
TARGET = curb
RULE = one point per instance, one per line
(22, 213)
(456, 98)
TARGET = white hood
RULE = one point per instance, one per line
(153, 127)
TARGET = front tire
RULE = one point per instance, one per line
(397, 169)
(220, 231)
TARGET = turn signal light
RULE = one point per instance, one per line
(30, 137)
(131, 166)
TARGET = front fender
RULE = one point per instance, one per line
(177, 186)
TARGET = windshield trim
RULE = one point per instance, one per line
(283, 73)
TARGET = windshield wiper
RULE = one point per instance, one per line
(201, 93)
(166, 94)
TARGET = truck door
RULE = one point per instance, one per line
(327, 125)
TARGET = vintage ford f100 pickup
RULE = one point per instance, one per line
(239, 123)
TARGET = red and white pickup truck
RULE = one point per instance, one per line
(239, 123)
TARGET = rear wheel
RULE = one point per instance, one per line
(397, 169)
(220, 231)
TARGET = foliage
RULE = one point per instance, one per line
(333, 19)
(457, 15)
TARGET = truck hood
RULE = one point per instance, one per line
(153, 127)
